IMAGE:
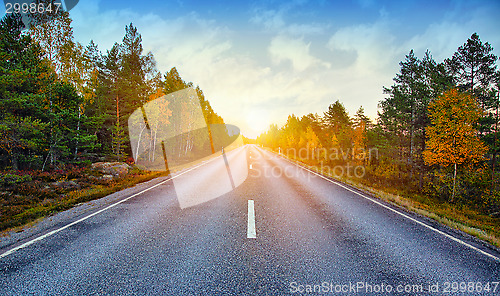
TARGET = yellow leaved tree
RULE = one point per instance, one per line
(452, 139)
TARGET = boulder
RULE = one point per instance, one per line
(116, 169)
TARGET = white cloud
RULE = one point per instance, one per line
(270, 19)
(377, 57)
(444, 38)
(298, 79)
(273, 20)
(203, 52)
(105, 28)
(373, 43)
(294, 50)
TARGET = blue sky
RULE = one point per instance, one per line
(260, 61)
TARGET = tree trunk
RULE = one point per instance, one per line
(14, 161)
(412, 138)
(495, 147)
(154, 143)
(454, 182)
(118, 129)
(139, 144)
(420, 180)
(78, 131)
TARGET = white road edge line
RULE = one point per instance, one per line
(399, 213)
(98, 212)
(251, 233)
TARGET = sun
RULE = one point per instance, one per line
(258, 120)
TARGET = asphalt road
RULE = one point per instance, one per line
(310, 235)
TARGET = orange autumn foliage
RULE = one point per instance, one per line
(451, 137)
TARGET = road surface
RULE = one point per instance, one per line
(284, 230)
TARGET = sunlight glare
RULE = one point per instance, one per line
(258, 120)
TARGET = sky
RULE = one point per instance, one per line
(259, 61)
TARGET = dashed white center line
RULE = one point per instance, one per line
(251, 233)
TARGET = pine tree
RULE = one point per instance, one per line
(361, 124)
(403, 117)
(473, 67)
(339, 126)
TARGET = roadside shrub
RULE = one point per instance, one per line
(13, 179)
(35, 191)
(73, 172)
(49, 176)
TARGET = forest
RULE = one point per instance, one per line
(68, 104)
(65, 109)
(436, 136)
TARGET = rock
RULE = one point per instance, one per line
(66, 185)
(495, 215)
(116, 169)
(106, 178)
